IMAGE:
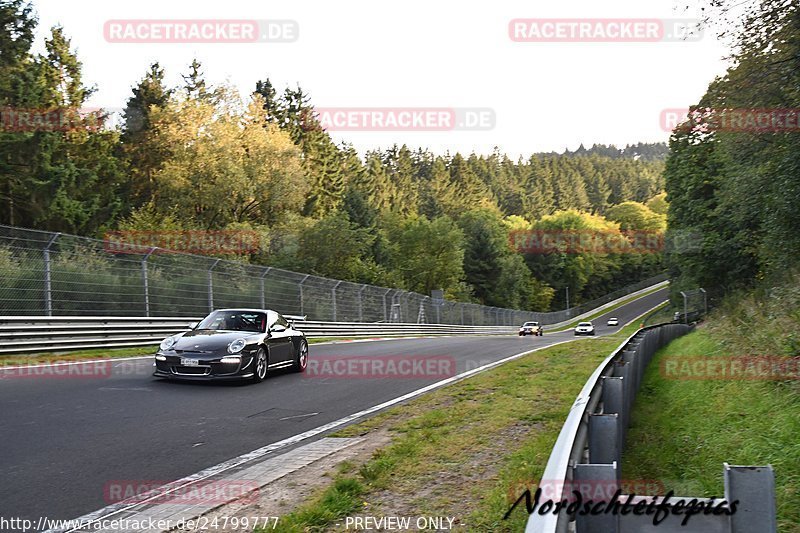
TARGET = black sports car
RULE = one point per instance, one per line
(233, 344)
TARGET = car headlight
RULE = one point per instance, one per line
(237, 346)
(168, 343)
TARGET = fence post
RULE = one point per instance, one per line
(48, 296)
(685, 308)
(302, 303)
(261, 281)
(361, 302)
(333, 298)
(705, 301)
(145, 281)
(211, 286)
(385, 310)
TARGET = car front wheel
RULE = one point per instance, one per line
(301, 359)
(261, 363)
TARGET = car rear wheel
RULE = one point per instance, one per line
(261, 363)
(301, 359)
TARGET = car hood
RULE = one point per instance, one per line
(206, 340)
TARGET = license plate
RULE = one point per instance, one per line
(189, 362)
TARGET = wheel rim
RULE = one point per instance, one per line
(303, 355)
(261, 364)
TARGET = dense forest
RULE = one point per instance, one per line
(736, 188)
(203, 157)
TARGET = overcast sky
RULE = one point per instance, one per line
(427, 54)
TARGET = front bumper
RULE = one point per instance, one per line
(584, 333)
(208, 368)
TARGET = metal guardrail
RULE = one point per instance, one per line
(28, 334)
(31, 334)
(587, 457)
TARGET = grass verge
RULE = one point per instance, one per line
(78, 355)
(682, 430)
(465, 451)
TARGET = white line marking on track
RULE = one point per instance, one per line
(298, 416)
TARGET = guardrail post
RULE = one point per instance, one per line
(211, 286)
(48, 294)
(604, 443)
(622, 370)
(261, 282)
(145, 281)
(629, 356)
(754, 487)
(591, 480)
(613, 397)
(302, 302)
(333, 298)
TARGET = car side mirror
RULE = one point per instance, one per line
(277, 328)
(193, 325)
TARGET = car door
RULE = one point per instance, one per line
(280, 341)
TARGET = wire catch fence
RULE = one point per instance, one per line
(54, 274)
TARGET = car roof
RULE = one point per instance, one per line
(246, 310)
(584, 323)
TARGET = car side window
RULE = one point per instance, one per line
(282, 321)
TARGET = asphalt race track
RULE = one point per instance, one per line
(64, 438)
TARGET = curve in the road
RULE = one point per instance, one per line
(67, 438)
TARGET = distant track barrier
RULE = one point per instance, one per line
(29, 334)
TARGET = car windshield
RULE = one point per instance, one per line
(235, 321)
(585, 324)
(530, 324)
